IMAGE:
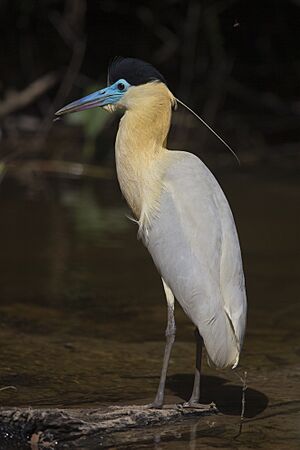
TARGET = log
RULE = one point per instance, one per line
(46, 428)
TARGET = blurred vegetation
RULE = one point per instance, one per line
(92, 121)
(236, 62)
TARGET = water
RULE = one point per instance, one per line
(82, 312)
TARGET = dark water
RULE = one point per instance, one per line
(82, 312)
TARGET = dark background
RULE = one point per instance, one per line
(235, 62)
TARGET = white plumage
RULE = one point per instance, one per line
(194, 244)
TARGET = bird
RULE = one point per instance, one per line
(183, 217)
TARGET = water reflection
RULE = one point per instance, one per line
(93, 221)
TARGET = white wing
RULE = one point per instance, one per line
(194, 244)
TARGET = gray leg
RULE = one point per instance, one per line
(195, 397)
(170, 338)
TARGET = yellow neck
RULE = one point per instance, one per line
(140, 149)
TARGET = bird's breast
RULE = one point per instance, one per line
(140, 176)
(131, 182)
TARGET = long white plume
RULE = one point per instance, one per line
(210, 129)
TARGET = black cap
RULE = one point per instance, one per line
(134, 71)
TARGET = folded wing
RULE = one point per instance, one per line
(194, 244)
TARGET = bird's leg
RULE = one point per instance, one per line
(196, 388)
(195, 397)
(170, 338)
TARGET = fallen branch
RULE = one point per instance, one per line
(73, 425)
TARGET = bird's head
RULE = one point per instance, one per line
(129, 79)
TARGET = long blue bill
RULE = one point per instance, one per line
(98, 98)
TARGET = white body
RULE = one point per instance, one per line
(194, 244)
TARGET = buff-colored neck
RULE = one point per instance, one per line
(140, 145)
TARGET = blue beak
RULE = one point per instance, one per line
(99, 98)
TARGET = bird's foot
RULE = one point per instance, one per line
(194, 405)
(154, 405)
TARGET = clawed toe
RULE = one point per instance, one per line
(194, 405)
(154, 405)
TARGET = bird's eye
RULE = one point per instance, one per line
(121, 86)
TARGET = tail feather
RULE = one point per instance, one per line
(220, 341)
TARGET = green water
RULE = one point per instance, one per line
(82, 312)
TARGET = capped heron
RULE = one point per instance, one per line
(183, 216)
